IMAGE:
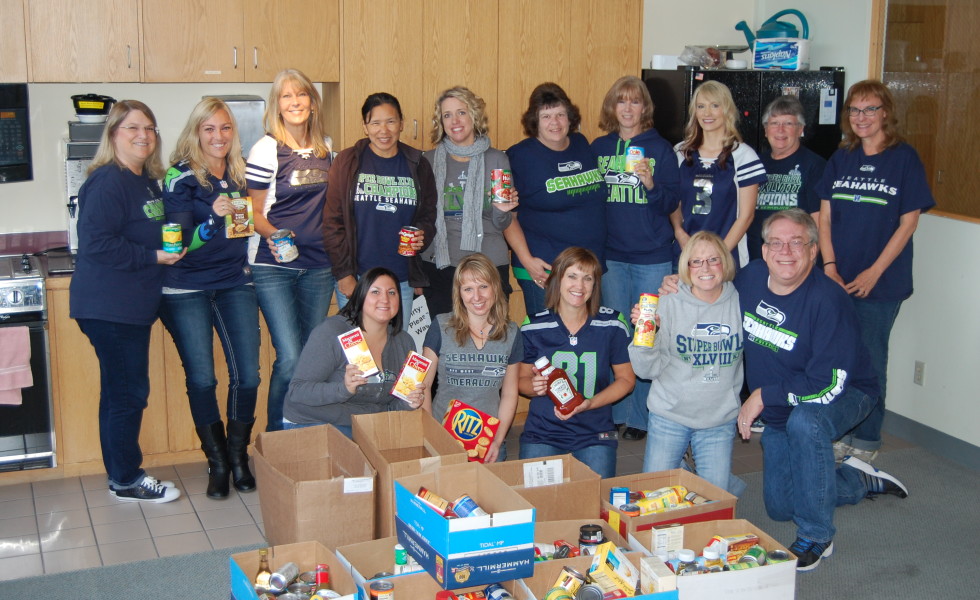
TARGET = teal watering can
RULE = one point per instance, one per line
(776, 29)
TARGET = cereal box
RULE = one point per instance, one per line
(356, 349)
(239, 223)
(412, 374)
(474, 428)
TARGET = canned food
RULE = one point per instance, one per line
(777, 556)
(285, 246)
(634, 156)
(405, 238)
(590, 533)
(570, 580)
(558, 593)
(495, 591)
(382, 590)
(284, 575)
(589, 591)
(646, 325)
(501, 186)
(630, 510)
(756, 554)
(172, 238)
(464, 506)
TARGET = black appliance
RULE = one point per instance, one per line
(27, 438)
(821, 92)
(15, 133)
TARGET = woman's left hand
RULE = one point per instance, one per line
(643, 171)
(750, 411)
(416, 396)
(863, 283)
(580, 408)
(418, 241)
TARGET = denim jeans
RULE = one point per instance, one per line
(800, 480)
(123, 351)
(234, 314)
(407, 293)
(293, 302)
(533, 296)
(876, 319)
(622, 285)
(667, 441)
(344, 429)
(600, 458)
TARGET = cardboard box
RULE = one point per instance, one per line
(470, 551)
(572, 495)
(314, 484)
(398, 444)
(365, 559)
(306, 555)
(722, 505)
(546, 532)
(768, 582)
(546, 573)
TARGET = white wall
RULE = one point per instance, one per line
(669, 25)
(39, 205)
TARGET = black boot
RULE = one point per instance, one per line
(239, 436)
(216, 450)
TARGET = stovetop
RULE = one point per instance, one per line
(21, 284)
(19, 267)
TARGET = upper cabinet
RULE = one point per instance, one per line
(96, 40)
(240, 40)
(13, 46)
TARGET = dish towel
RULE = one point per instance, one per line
(15, 364)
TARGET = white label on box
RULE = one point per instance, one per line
(358, 485)
(668, 539)
(545, 472)
(828, 107)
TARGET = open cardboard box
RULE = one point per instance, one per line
(574, 496)
(546, 532)
(314, 484)
(306, 555)
(546, 574)
(768, 582)
(722, 505)
(398, 444)
(366, 559)
(467, 551)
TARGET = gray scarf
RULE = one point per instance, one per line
(473, 191)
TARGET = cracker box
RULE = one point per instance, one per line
(412, 373)
(358, 354)
(474, 429)
(240, 223)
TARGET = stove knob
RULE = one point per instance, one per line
(15, 297)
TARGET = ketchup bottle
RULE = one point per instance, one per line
(561, 390)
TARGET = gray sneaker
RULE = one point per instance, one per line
(148, 490)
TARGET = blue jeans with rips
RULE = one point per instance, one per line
(622, 285)
(234, 314)
(599, 457)
(293, 302)
(801, 482)
(877, 320)
(123, 351)
(667, 441)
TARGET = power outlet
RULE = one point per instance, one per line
(919, 376)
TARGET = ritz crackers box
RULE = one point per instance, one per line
(473, 428)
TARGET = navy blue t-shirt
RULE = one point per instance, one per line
(384, 202)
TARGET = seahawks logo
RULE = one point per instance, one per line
(770, 313)
(709, 329)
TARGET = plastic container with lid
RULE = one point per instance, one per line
(712, 560)
(687, 562)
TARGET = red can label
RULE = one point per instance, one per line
(501, 186)
(405, 238)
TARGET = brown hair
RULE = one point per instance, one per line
(478, 267)
(189, 144)
(548, 95)
(474, 104)
(626, 88)
(713, 239)
(862, 90)
(584, 258)
(314, 126)
(694, 135)
(107, 149)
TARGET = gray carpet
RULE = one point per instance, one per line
(925, 546)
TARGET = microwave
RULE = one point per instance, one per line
(15, 134)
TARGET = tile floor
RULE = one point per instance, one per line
(67, 524)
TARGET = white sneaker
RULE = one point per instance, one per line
(878, 481)
(148, 490)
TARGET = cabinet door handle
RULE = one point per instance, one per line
(234, 55)
(129, 56)
(255, 57)
(415, 135)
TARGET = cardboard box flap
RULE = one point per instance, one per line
(576, 496)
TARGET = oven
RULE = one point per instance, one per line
(27, 438)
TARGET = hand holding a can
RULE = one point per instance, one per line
(645, 174)
(418, 241)
(169, 258)
(511, 204)
(635, 315)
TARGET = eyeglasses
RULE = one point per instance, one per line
(794, 245)
(133, 129)
(868, 111)
(782, 124)
(711, 262)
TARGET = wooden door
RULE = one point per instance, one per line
(194, 40)
(461, 48)
(294, 34)
(382, 52)
(84, 41)
(13, 44)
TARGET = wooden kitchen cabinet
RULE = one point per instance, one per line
(240, 40)
(13, 43)
(96, 40)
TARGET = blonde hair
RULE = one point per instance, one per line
(569, 257)
(153, 166)
(626, 88)
(478, 267)
(474, 104)
(694, 135)
(274, 125)
(189, 144)
(712, 239)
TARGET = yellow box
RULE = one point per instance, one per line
(611, 570)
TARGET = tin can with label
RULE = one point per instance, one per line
(495, 591)
(284, 575)
(756, 554)
(646, 326)
(464, 506)
(634, 156)
(558, 593)
(405, 238)
(570, 580)
(172, 238)
(285, 247)
(777, 556)
(501, 186)
(382, 590)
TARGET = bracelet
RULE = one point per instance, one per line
(833, 262)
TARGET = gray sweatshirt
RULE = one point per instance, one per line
(696, 360)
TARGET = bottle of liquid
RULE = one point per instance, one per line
(687, 562)
(264, 572)
(322, 577)
(561, 390)
(712, 560)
